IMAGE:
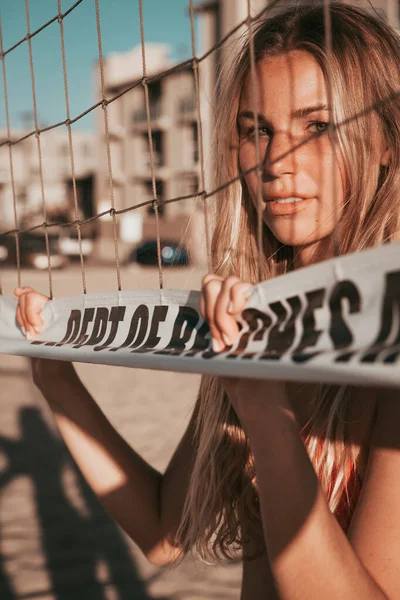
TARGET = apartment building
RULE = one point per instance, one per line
(57, 177)
(174, 143)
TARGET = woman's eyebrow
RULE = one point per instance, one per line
(299, 113)
(308, 110)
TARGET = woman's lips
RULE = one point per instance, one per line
(274, 207)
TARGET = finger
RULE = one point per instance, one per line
(211, 291)
(21, 295)
(21, 306)
(226, 322)
(19, 291)
(204, 282)
(20, 321)
(239, 295)
(33, 307)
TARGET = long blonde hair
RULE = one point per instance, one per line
(364, 73)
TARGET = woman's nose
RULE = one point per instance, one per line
(280, 156)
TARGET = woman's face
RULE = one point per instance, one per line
(302, 181)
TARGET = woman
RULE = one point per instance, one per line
(303, 480)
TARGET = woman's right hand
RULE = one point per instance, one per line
(30, 306)
(47, 374)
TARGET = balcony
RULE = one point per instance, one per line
(157, 158)
(187, 105)
(187, 109)
(143, 167)
(139, 116)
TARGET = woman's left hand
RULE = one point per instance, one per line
(221, 303)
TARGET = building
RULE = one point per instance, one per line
(57, 177)
(175, 149)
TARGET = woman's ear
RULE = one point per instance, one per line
(385, 158)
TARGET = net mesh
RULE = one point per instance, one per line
(104, 102)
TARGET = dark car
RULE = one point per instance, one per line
(32, 250)
(172, 254)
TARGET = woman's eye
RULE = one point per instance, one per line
(319, 127)
(262, 132)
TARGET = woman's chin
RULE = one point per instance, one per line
(297, 240)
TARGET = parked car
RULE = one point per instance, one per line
(172, 254)
(69, 246)
(32, 250)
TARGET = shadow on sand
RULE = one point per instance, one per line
(73, 543)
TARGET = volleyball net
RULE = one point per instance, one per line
(307, 325)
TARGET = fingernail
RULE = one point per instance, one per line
(226, 339)
(36, 328)
(23, 331)
(29, 335)
(216, 345)
(230, 307)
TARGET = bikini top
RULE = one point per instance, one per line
(348, 501)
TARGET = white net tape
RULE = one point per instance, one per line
(292, 328)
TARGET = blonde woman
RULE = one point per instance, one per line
(302, 480)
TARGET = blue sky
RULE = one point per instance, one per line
(165, 21)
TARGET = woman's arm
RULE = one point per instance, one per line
(310, 556)
(258, 581)
(145, 503)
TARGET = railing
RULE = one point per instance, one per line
(140, 116)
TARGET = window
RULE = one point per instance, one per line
(188, 185)
(157, 140)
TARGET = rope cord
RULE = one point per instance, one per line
(31, 35)
(328, 50)
(10, 154)
(259, 168)
(104, 104)
(194, 63)
(196, 77)
(177, 67)
(70, 144)
(150, 140)
(206, 194)
(39, 147)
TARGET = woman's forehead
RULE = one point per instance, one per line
(294, 80)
